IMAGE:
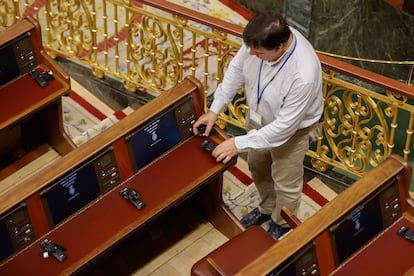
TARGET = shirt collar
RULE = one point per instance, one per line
(284, 55)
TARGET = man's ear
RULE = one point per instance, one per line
(277, 48)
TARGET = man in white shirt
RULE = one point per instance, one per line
(283, 79)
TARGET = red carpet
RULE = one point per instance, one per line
(241, 196)
(307, 190)
(91, 109)
(237, 8)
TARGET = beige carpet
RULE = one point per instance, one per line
(241, 196)
(79, 122)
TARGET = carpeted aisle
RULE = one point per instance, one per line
(241, 196)
(85, 116)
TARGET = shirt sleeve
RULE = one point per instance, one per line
(233, 81)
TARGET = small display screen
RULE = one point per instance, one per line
(356, 229)
(304, 262)
(71, 193)
(6, 246)
(9, 69)
(154, 139)
(17, 58)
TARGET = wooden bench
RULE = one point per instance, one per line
(233, 255)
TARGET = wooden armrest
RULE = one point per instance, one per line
(214, 267)
(236, 253)
(290, 218)
(255, 240)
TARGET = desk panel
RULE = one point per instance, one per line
(24, 96)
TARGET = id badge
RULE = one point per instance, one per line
(255, 119)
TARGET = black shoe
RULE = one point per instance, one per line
(255, 217)
(276, 231)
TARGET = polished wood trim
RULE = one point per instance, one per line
(367, 76)
(386, 254)
(184, 172)
(7, 172)
(214, 267)
(15, 31)
(326, 61)
(199, 97)
(215, 23)
(292, 220)
(24, 96)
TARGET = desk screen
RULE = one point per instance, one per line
(79, 187)
(304, 262)
(155, 138)
(17, 57)
(6, 246)
(362, 224)
(71, 193)
(8, 67)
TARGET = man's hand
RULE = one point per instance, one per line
(225, 151)
(208, 119)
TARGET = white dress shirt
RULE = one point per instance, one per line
(290, 93)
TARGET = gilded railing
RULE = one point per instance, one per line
(367, 118)
(152, 45)
(136, 42)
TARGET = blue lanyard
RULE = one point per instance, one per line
(260, 93)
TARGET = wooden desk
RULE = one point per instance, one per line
(393, 172)
(24, 97)
(30, 115)
(184, 171)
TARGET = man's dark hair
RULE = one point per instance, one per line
(267, 31)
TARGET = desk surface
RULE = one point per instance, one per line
(387, 254)
(167, 181)
(23, 96)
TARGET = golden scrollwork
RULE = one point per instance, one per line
(147, 58)
(356, 129)
(360, 126)
(9, 13)
(70, 27)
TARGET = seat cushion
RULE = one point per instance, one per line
(237, 252)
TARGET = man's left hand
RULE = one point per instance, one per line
(225, 151)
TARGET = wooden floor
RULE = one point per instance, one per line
(178, 259)
(180, 256)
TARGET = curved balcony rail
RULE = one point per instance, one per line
(153, 45)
